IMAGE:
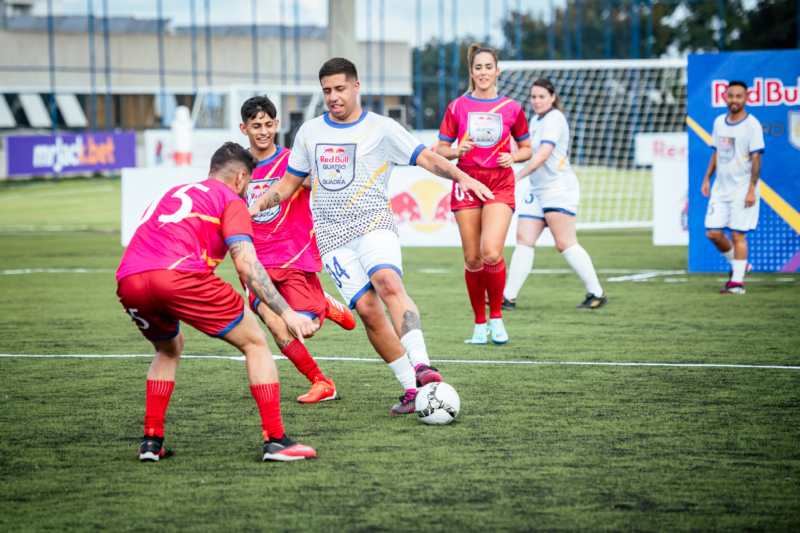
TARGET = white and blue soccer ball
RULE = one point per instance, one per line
(437, 403)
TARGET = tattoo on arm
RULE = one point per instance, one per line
(755, 170)
(410, 322)
(255, 277)
(443, 172)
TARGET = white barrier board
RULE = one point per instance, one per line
(420, 201)
(671, 190)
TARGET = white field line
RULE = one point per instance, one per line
(468, 361)
(57, 271)
(647, 275)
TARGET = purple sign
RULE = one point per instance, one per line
(80, 152)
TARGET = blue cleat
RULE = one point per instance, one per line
(499, 335)
(480, 335)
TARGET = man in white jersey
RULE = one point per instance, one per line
(738, 143)
(350, 154)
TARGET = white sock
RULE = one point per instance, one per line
(415, 347)
(581, 263)
(405, 373)
(739, 266)
(521, 265)
(729, 255)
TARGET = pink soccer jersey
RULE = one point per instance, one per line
(284, 234)
(491, 123)
(187, 228)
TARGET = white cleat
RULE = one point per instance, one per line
(480, 335)
(499, 335)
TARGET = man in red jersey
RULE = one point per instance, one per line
(167, 275)
(287, 248)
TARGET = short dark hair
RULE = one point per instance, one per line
(339, 65)
(231, 152)
(737, 83)
(255, 106)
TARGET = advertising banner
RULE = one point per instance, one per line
(668, 153)
(69, 153)
(773, 98)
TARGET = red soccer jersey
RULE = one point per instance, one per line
(187, 228)
(284, 234)
(491, 123)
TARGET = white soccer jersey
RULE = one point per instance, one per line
(556, 172)
(351, 165)
(734, 143)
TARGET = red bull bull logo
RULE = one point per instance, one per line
(329, 150)
(425, 205)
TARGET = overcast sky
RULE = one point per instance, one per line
(400, 15)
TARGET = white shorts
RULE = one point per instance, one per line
(732, 214)
(535, 206)
(351, 264)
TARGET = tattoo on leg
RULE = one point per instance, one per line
(410, 322)
(283, 344)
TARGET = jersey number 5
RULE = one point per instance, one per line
(139, 321)
(183, 211)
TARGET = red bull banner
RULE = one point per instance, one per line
(772, 80)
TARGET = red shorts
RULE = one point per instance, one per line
(301, 290)
(499, 180)
(158, 299)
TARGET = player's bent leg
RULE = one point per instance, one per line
(384, 339)
(469, 228)
(563, 227)
(322, 388)
(263, 377)
(160, 384)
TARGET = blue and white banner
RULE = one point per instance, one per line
(773, 97)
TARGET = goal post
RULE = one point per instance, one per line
(608, 103)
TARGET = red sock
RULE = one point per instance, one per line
(476, 290)
(296, 352)
(494, 276)
(158, 394)
(268, 398)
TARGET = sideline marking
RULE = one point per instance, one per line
(57, 271)
(476, 361)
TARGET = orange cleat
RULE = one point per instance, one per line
(321, 391)
(339, 313)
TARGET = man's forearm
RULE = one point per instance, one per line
(755, 171)
(255, 277)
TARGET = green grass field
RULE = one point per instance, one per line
(536, 447)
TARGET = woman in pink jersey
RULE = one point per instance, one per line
(482, 124)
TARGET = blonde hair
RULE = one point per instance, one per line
(475, 49)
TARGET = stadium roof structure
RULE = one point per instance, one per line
(133, 25)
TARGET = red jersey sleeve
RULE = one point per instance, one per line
(235, 222)
(449, 130)
(520, 128)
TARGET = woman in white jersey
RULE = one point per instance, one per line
(551, 200)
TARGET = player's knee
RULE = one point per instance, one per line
(714, 234)
(563, 245)
(389, 284)
(738, 238)
(492, 256)
(473, 261)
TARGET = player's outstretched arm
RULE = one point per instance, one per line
(257, 280)
(538, 159)
(277, 194)
(712, 167)
(440, 166)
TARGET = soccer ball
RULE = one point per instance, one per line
(437, 403)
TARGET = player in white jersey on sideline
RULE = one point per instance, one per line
(350, 154)
(551, 200)
(738, 142)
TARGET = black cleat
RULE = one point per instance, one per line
(593, 302)
(427, 374)
(285, 449)
(509, 305)
(151, 449)
(407, 404)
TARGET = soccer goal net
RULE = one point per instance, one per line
(607, 103)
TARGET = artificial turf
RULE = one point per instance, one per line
(536, 447)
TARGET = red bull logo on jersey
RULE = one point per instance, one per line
(336, 165)
(486, 129)
(764, 91)
(425, 206)
(726, 150)
(255, 191)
